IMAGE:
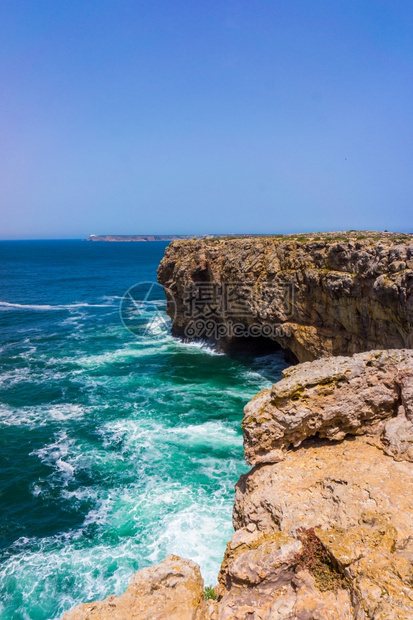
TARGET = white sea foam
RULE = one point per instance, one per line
(157, 326)
(99, 514)
(29, 352)
(66, 468)
(144, 434)
(58, 456)
(39, 572)
(213, 433)
(5, 305)
(189, 532)
(125, 353)
(31, 374)
(197, 345)
(107, 358)
(168, 516)
(178, 520)
(40, 415)
(12, 377)
(111, 298)
(160, 475)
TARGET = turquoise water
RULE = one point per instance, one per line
(115, 449)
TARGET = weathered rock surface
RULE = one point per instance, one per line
(340, 429)
(172, 590)
(259, 580)
(324, 520)
(350, 479)
(369, 393)
(331, 294)
(326, 483)
(360, 502)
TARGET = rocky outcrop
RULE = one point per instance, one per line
(323, 521)
(360, 503)
(331, 448)
(260, 580)
(329, 294)
(172, 590)
(367, 394)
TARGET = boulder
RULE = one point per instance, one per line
(172, 590)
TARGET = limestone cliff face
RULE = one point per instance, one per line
(323, 521)
(331, 294)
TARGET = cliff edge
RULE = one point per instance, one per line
(328, 294)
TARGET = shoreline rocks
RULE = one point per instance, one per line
(358, 501)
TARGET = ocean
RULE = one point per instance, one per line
(117, 448)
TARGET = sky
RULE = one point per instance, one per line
(205, 116)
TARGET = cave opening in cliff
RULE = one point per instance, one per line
(248, 345)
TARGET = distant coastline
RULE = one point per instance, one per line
(355, 235)
(133, 238)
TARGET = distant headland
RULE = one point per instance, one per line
(132, 238)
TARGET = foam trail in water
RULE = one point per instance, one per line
(41, 415)
(13, 306)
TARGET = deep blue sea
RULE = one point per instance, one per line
(116, 448)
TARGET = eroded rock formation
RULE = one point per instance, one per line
(323, 521)
(331, 294)
(367, 394)
(172, 590)
(331, 448)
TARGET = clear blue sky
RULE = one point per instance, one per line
(195, 116)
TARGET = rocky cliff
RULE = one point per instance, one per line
(329, 294)
(324, 519)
